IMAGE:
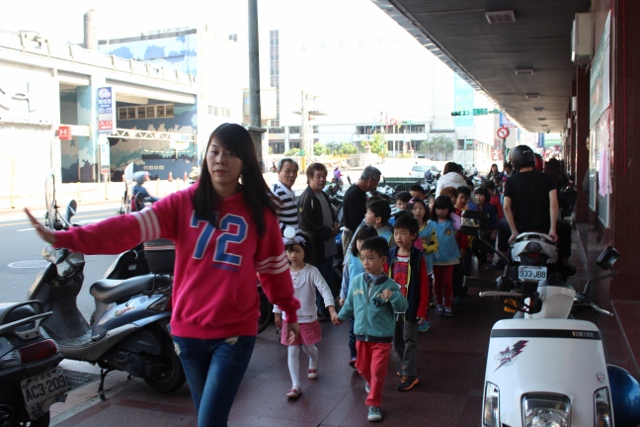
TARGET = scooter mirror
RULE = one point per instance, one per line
(472, 222)
(71, 210)
(607, 258)
(48, 253)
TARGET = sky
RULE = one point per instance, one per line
(344, 50)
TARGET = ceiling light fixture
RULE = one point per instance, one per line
(532, 95)
(542, 119)
(500, 17)
(524, 71)
(545, 125)
(538, 108)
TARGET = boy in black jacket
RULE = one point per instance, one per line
(408, 268)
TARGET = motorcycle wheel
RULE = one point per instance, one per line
(266, 311)
(170, 375)
(42, 421)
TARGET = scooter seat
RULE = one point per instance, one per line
(110, 290)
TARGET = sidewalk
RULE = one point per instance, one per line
(452, 357)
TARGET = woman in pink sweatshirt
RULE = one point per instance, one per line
(225, 229)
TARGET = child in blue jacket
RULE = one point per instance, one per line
(447, 255)
(373, 300)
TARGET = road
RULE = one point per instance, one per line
(21, 259)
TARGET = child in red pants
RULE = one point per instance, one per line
(372, 300)
(447, 255)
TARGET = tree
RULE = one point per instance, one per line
(318, 149)
(333, 147)
(437, 145)
(378, 144)
(348, 148)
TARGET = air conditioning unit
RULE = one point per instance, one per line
(582, 38)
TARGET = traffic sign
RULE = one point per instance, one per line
(503, 132)
(475, 112)
(393, 122)
(64, 133)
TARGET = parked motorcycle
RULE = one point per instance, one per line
(544, 368)
(29, 373)
(129, 330)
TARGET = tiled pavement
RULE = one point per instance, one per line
(451, 364)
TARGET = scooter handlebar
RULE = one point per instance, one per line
(501, 294)
(601, 310)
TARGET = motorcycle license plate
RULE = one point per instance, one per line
(42, 391)
(527, 272)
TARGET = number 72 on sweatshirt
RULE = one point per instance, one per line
(233, 230)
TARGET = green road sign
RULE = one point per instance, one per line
(475, 112)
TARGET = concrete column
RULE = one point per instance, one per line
(87, 145)
(581, 132)
(255, 121)
(625, 104)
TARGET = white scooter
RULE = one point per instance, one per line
(546, 369)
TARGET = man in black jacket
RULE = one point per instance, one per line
(317, 218)
(355, 201)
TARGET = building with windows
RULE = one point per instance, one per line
(61, 110)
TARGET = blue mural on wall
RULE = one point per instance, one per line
(176, 52)
(155, 156)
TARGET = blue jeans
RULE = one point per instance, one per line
(214, 370)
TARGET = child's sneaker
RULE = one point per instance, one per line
(440, 310)
(448, 312)
(352, 362)
(294, 393)
(374, 413)
(424, 326)
(407, 383)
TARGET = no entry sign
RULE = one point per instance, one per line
(503, 132)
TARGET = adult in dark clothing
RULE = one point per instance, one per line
(530, 203)
(355, 201)
(139, 194)
(317, 218)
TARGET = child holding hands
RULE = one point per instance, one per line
(352, 268)
(306, 278)
(373, 300)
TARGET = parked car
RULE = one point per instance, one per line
(418, 170)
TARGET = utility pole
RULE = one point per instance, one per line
(255, 115)
(306, 130)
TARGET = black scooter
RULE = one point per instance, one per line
(129, 330)
(29, 373)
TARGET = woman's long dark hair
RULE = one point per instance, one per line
(255, 190)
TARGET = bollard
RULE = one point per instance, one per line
(79, 199)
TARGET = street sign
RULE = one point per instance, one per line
(393, 122)
(503, 132)
(105, 110)
(475, 112)
(64, 133)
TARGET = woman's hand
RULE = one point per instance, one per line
(278, 319)
(44, 233)
(293, 329)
